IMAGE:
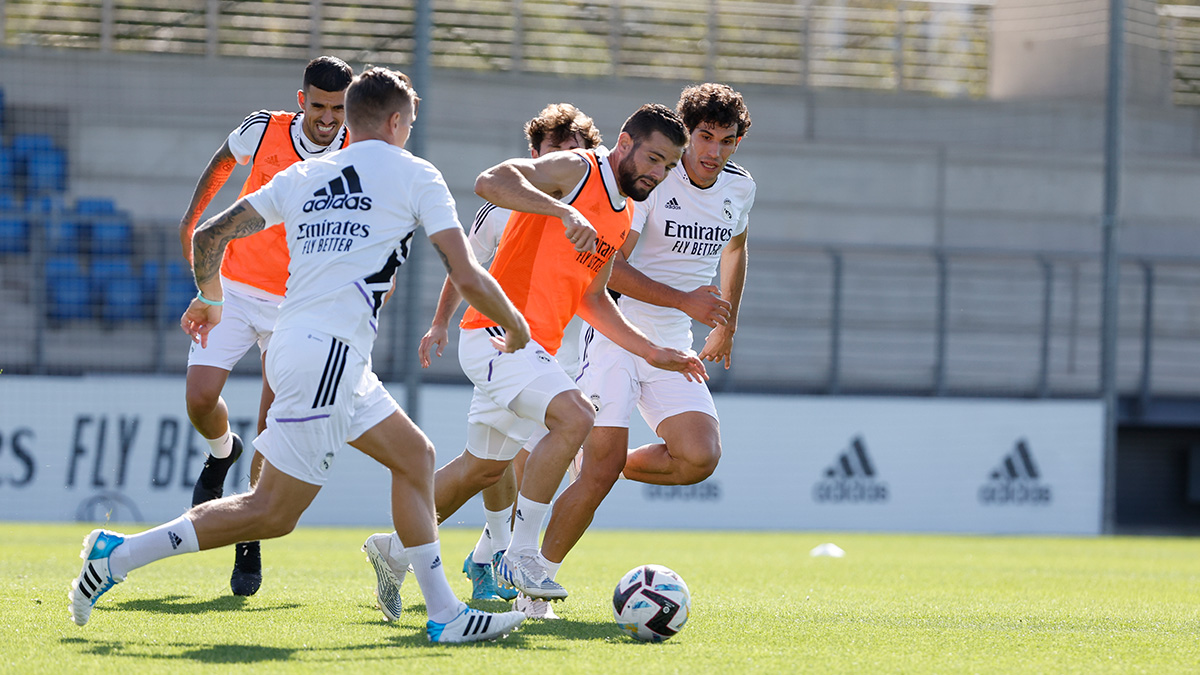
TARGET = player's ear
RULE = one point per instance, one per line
(300, 98)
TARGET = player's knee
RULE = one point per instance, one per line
(275, 522)
(700, 467)
(573, 417)
(201, 400)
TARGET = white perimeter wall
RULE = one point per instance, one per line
(121, 449)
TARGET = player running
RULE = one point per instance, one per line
(697, 218)
(559, 126)
(550, 277)
(254, 275)
(348, 220)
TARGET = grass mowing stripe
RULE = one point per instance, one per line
(760, 603)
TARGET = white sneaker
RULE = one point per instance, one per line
(95, 578)
(528, 575)
(387, 581)
(576, 467)
(473, 625)
(534, 609)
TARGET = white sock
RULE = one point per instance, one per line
(500, 527)
(482, 554)
(397, 559)
(551, 567)
(440, 602)
(530, 516)
(164, 541)
(222, 446)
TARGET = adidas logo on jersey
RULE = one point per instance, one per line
(1016, 481)
(673, 204)
(851, 478)
(341, 193)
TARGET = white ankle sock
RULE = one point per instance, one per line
(397, 559)
(440, 602)
(551, 567)
(222, 446)
(500, 527)
(164, 541)
(530, 515)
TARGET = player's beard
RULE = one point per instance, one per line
(628, 177)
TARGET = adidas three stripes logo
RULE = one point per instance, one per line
(477, 623)
(335, 363)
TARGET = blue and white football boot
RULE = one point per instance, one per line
(95, 578)
(473, 625)
(387, 582)
(483, 580)
(528, 575)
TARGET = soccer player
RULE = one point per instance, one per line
(696, 219)
(586, 196)
(254, 274)
(559, 126)
(348, 219)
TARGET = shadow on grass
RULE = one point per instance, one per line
(182, 604)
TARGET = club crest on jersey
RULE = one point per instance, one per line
(341, 193)
(727, 210)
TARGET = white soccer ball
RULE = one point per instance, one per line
(651, 603)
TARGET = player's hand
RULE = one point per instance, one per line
(199, 319)
(515, 338)
(706, 305)
(437, 336)
(580, 232)
(682, 362)
(718, 346)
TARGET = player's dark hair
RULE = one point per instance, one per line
(717, 104)
(653, 117)
(377, 94)
(558, 122)
(328, 73)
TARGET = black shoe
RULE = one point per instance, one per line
(211, 483)
(247, 569)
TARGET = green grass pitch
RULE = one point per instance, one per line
(760, 603)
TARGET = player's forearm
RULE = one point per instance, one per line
(448, 302)
(733, 281)
(215, 175)
(602, 314)
(627, 280)
(211, 238)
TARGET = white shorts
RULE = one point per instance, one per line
(615, 381)
(512, 392)
(325, 397)
(245, 320)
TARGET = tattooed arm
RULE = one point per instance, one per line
(211, 181)
(208, 248)
(479, 288)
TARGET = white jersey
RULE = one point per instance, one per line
(484, 238)
(245, 139)
(350, 216)
(682, 230)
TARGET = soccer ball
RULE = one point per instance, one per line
(651, 603)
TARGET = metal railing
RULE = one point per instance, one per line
(932, 46)
(814, 319)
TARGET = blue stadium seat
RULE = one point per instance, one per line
(95, 205)
(120, 294)
(27, 144)
(44, 204)
(8, 169)
(46, 171)
(111, 235)
(180, 286)
(14, 231)
(66, 235)
(68, 294)
(9, 201)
